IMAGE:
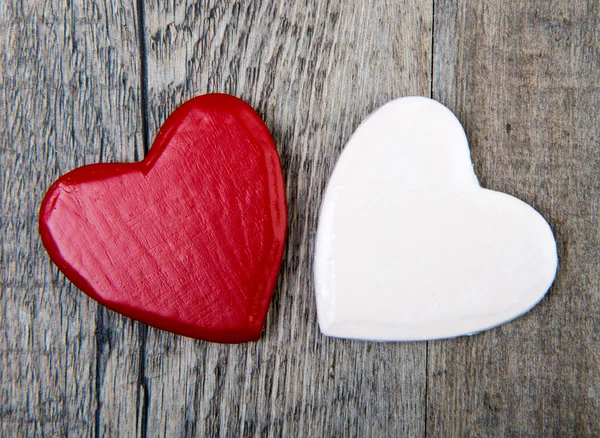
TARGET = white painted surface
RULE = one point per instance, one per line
(410, 247)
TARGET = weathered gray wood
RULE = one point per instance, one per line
(80, 84)
(524, 78)
(70, 95)
(308, 67)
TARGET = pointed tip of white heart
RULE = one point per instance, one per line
(409, 247)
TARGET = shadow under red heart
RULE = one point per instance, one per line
(188, 240)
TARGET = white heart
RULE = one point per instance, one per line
(410, 247)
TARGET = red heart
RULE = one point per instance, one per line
(188, 240)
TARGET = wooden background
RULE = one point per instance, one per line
(84, 81)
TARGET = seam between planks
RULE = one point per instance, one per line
(431, 76)
(101, 335)
(143, 398)
(141, 12)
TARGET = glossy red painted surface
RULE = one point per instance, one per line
(188, 240)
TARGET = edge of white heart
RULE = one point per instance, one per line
(410, 247)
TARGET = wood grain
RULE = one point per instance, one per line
(307, 68)
(71, 97)
(92, 81)
(524, 78)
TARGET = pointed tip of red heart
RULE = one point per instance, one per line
(188, 240)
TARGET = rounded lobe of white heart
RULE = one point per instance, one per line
(410, 247)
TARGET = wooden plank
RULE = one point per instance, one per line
(70, 91)
(110, 108)
(524, 78)
(313, 69)
(38, 306)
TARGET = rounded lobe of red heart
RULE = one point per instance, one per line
(189, 240)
